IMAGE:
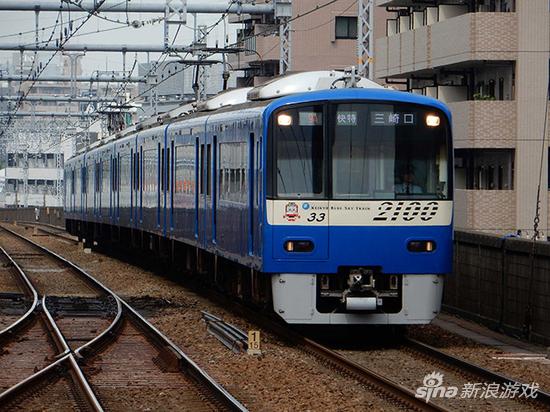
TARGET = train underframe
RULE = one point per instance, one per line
(354, 295)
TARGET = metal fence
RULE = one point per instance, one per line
(503, 283)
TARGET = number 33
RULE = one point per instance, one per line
(313, 217)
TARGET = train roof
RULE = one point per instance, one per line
(291, 89)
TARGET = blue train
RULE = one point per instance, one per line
(334, 205)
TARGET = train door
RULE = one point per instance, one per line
(166, 181)
(84, 187)
(251, 193)
(72, 191)
(139, 212)
(205, 191)
(115, 182)
(171, 184)
(135, 178)
(160, 183)
(258, 178)
(95, 181)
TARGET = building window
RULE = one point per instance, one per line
(346, 27)
(484, 169)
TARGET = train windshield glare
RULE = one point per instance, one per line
(362, 151)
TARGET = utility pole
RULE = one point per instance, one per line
(283, 16)
(175, 13)
(73, 58)
(202, 74)
(365, 38)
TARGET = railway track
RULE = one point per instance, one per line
(411, 363)
(103, 354)
(387, 385)
(396, 395)
(381, 382)
(473, 372)
(50, 230)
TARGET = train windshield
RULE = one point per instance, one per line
(361, 151)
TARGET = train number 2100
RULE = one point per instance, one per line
(408, 211)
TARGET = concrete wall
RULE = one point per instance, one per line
(491, 211)
(48, 215)
(504, 283)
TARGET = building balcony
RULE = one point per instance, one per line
(484, 123)
(451, 42)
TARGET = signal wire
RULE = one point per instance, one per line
(67, 38)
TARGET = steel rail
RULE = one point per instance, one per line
(364, 374)
(42, 374)
(464, 365)
(100, 339)
(78, 375)
(232, 337)
(186, 364)
(391, 389)
(60, 234)
(65, 354)
(27, 286)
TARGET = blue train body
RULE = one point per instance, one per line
(208, 182)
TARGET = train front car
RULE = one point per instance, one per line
(359, 206)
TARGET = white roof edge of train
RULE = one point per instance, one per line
(306, 82)
(292, 83)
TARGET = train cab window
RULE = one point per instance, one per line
(388, 151)
(299, 164)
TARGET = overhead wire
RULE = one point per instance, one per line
(210, 28)
(67, 38)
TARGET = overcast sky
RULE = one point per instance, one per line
(12, 23)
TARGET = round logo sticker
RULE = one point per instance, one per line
(305, 206)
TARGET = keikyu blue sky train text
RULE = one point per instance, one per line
(328, 200)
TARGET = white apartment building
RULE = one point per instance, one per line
(489, 61)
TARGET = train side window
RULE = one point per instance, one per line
(233, 171)
(184, 174)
